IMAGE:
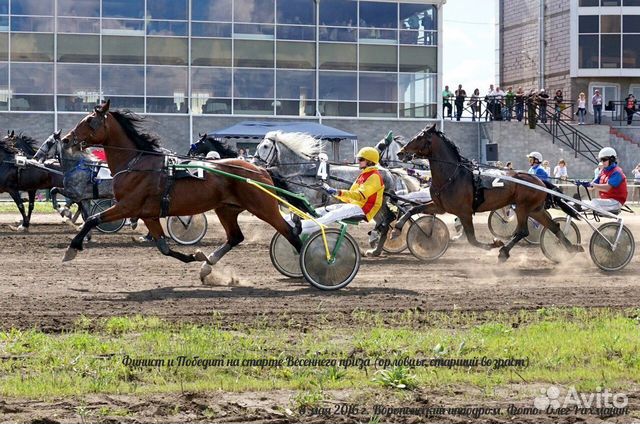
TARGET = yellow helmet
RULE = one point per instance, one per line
(370, 154)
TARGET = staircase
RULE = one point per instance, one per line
(568, 135)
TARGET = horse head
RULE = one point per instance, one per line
(267, 151)
(200, 147)
(92, 130)
(207, 143)
(420, 145)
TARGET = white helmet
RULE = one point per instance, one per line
(213, 155)
(536, 155)
(607, 152)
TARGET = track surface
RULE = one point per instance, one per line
(115, 276)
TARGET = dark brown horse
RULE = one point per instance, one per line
(14, 178)
(140, 184)
(453, 191)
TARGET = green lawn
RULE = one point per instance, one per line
(585, 348)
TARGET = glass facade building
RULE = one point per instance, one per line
(333, 58)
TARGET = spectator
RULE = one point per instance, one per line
(630, 107)
(474, 103)
(490, 101)
(460, 97)
(499, 103)
(558, 104)
(543, 98)
(546, 166)
(636, 182)
(242, 154)
(532, 100)
(596, 102)
(560, 171)
(509, 99)
(520, 104)
(509, 166)
(446, 100)
(582, 108)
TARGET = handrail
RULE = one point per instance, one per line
(618, 111)
(569, 135)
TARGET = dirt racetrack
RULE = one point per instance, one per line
(115, 276)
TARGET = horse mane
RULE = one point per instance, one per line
(131, 123)
(302, 144)
(26, 144)
(222, 147)
(451, 145)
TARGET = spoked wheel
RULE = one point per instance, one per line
(187, 230)
(601, 253)
(100, 206)
(428, 238)
(284, 257)
(535, 230)
(330, 275)
(397, 244)
(551, 246)
(503, 223)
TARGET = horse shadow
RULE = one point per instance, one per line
(233, 292)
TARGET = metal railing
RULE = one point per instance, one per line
(617, 112)
(555, 122)
(490, 108)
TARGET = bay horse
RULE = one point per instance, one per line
(143, 188)
(455, 190)
(14, 178)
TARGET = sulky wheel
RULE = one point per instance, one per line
(503, 222)
(337, 273)
(428, 238)
(100, 206)
(600, 250)
(284, 257)
(535, 231)
(551, 246)
(397, 244)
(187, 230)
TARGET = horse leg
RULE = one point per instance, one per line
(15, 195)
(544, 218)
(273, 217)
(522, 230)
(154, 227)
(32, 199)
(467, 224)
(228, 217)
(113, 213)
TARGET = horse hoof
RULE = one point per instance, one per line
(18, 229)
(200, 256)
(205, 270)
(141, 239)
(577, 248)
(499, 243)
(70, 254)
(503, 256)
(371, 253)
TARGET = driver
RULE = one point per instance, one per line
(363, 199)
(535, 160)
(611, 184)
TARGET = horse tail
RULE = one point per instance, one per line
(281, 183)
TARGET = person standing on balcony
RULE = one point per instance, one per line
(509, 99)
(532, 100)
(630, 107)
(543, 98)
(474, 103)
(582, 108)
(461, 95)
(558, 104)
(446, 100)
(520, 97)
(490, 101)
(596, 103)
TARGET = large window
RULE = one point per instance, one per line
(342, 58)
(608, 41)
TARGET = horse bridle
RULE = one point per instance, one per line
(272, 151)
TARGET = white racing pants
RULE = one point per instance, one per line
(329, 215)
(609, 205)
